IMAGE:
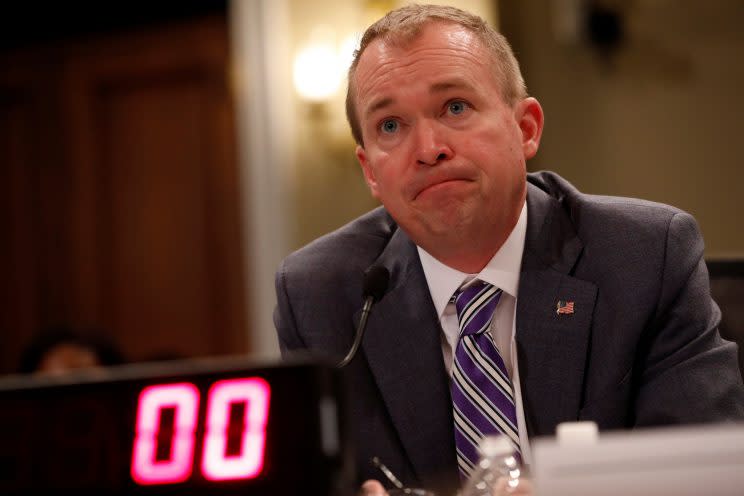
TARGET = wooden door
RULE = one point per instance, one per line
(145, 203)
(33, 203)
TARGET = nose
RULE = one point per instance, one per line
(431, 147)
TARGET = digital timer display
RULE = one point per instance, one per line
(218, 463)
(214, 427)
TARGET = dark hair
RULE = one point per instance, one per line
(31, 358)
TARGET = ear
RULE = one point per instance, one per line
(369, 175)
(529, 116)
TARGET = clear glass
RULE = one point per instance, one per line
(497, 472)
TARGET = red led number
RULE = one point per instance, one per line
(184, 399)
(151, 466)
(254, 394)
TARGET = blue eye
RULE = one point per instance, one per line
(389, 126)
(457, 107)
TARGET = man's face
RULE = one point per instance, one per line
(442, 151)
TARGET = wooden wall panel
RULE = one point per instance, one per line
(18, 225)
(154, 259)
(130, 170)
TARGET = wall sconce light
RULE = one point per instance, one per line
(316, 72)
(320, 65)
(319, 72)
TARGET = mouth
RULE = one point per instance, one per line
(440, 186)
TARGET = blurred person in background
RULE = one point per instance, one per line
(60, 350)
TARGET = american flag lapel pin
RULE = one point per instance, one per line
(564, 307)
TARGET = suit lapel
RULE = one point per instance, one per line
(403, 347)
(551, 346)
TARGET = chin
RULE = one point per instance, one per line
(447, 222)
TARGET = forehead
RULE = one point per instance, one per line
(439, 52)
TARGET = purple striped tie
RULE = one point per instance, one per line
(482, 393)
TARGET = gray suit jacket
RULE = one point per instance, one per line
(641, 348)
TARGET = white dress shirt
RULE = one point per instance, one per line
(503, 272)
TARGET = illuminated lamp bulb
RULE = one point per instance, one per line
(316, 72)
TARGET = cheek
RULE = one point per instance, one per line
(389, 171)
(388, 183)
(501, 150)
(501, 167)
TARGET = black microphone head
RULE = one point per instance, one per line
(376, 280)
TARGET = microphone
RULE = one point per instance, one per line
(376, 280)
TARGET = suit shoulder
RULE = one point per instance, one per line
(604, 213)
(352, 246)
(611, 231)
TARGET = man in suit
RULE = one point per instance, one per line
(602, 311)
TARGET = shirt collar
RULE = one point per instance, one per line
(502, 270)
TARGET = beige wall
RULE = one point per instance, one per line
(661, 120)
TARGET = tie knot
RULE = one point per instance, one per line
(475, 305)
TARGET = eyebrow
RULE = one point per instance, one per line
(449, 85)
(434, 88)
(379, 104)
